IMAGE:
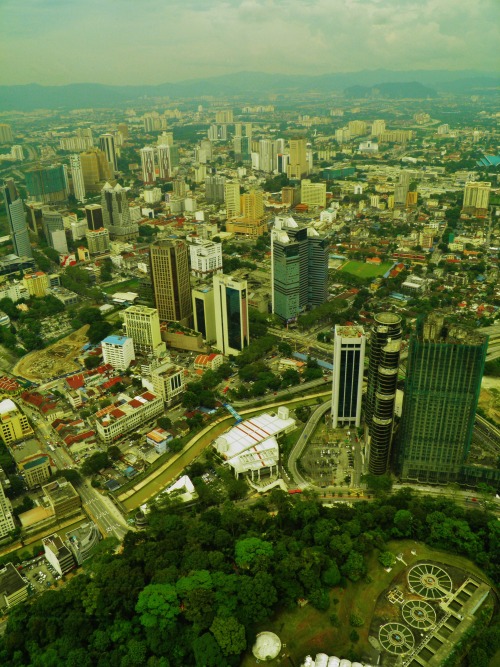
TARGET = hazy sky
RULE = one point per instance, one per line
(154, 41)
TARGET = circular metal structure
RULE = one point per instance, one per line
(429, 581)
(267, 646)
(419, 614)
(396, 638)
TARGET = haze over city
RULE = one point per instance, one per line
(121, 42)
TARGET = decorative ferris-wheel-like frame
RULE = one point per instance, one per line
(429, 581)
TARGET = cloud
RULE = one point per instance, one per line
(123, 41)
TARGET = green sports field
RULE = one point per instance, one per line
(363, 270)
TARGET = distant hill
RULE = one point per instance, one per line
(393, 90)
(251, 85)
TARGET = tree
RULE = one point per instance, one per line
(114, 453)
(92, 362)
(207, 652)
(190, 400)
(158, 606)
(94, 463)
(354, 567)
(285, 349)
(252, 550)
(229, 634)
(378, 484)
(386, 558)
(164, 422)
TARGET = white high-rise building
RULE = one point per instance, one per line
(6, 518)
(477, 195)
(205, 257)
(164, 161)
(142, 324)
(231, 314)
(107, 145)
(118, 351)
(348, 367)
(266, 155)
(77, 177)
(378, 126)
(148, 164)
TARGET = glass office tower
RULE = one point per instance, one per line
(443, 381)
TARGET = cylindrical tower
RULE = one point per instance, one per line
(385, 347)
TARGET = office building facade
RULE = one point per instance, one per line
(95, 169)
(299, 268)
(75, 164)
(93, 213)
(204, 312)
(142, 324)
(231, 314)
(443, 380)
(148, 165)
(214, 188)
(205, 257)
(118, 351)
(232, 199)
(297, 167)
(16, 217)
(348, 368)
(383, 366)
(170, 277)
(108, 147)
(97, 241)
(6, 518)
(47, 184)
(476, 196)
(168, 382)
(116, 213)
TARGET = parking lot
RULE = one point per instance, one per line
(329, 458)
(39, 574)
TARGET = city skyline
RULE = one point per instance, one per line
(216, 38)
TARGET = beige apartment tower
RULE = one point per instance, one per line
(142, 324)
(476, 196)
(232, 199)
(170, 278)
(297, 168)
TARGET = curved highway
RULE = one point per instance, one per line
(299, 446)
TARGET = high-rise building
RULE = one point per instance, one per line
(266, 155)
(383, 366)
(142, 324)
(77, 177)
(205, 257)
(36, 283)
(348, 368)
(224, 116)
(204, 312)
(16, 217)
(443, 380)
(217, 133)
(14, 425)
(357, 128)
(93, 213)
(116, 213)
(476, 196)
(6, 519)
(214, 188)
(107, 145)
(168, 382)
(299, 268)
(232, 198)
(312, 194)
(170, 277)
(97, 241)
(243, 130)
(47, 184)
(148, 164)
(231, 314)
(242, 148)
(52, 221)
(252, 205)
(6, 134)
(378, 126)
(297, 168)
(118, 351)
(96, 170)
(164, 161)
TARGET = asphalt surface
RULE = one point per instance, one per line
(296, 453)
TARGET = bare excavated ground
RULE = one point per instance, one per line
(57, 359)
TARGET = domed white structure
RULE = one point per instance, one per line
(267, 646)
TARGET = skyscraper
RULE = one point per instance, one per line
(47, 184)
(385, 347)
(443, 381)
(116, 213)
(6, 519)
(232, 198)
(476, 196)
(164, 161)
(95, 168)
(6, 134)
(16, 217)
(348, 367)
(170, 277)
(148, 164)
(77, 177)
(299, 268)
(298, 159)
(206, 257)
(142, 324)
(214, 188)
(231, 314)
(107, 145)
(266, 155)
(204, 312)
(93, 213)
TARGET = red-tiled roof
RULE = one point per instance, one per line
(135, 403)
(148, 396)
(117, 413)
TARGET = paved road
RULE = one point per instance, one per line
(299, 446)
(325, 381)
